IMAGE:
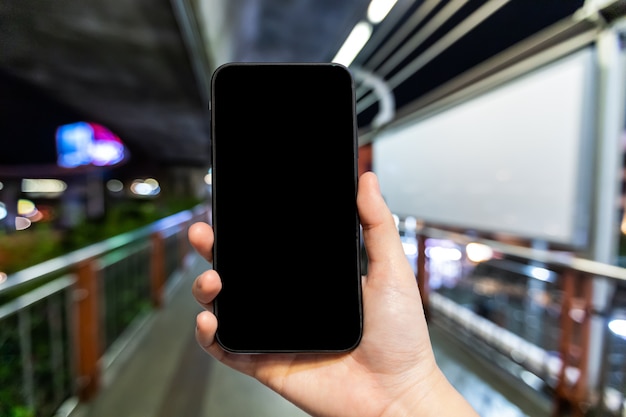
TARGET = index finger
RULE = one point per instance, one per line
(201, 238)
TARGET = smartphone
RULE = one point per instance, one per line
(284, 182)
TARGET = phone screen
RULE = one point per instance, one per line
(284, 177)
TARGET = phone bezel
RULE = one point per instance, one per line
(215, 181)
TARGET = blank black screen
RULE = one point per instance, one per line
(284, 208)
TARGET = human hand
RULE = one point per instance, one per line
(391, 372)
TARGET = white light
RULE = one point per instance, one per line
(354, 43)
(3, 210)
(141, 188)
(146, 187)
(478, 252)
(3, 277)
(618, 327)
(1, 185)
(378, 10)
(43, 186)
(410, 248)
(410, 223)
(22, 223)
(443, 254)
(106, 152)
(541, 274)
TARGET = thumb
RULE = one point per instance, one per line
(381, 237)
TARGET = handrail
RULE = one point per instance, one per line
(577, 378)
(36, 295)
(560, 259)
(80, 304)
(64, 262)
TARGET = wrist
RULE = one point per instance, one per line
(433, 396)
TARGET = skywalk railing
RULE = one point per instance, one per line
(539, 310)
(58, 318)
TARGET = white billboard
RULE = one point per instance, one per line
(516, 159)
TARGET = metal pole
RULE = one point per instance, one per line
(605, 227)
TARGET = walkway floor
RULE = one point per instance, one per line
(160, 371)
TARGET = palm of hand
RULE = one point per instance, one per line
(390, 348)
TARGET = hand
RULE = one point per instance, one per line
(393, 370)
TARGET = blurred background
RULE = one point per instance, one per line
(496, 128)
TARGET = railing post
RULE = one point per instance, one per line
(157, 269)
(571, 392)
(88, 329)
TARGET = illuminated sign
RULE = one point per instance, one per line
(86, 143)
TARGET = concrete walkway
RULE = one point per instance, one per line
(160, 371)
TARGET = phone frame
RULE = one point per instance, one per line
(214, 106)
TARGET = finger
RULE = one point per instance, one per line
(206, 287)
(206, 328)
(380, 235)
(201, 238)
(206, 325)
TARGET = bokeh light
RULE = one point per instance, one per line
(147, 187)
(115, 186)
(85, 143)
(26, 207)
(22, 223)
(44, 187)
(478, 252)
(618, 327)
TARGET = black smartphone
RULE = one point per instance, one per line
(284, 183)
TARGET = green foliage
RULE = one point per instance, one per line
(22, 412)
(120, 218)
(26, 248)
(41, 242)
(42, 318)
(10, 367)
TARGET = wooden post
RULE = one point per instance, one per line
(157, 269)
(86, 313)
(571, 397)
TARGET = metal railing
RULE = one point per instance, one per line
(36, 357)
(58, 318)
(535, 309)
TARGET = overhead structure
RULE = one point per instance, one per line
(142, 68)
